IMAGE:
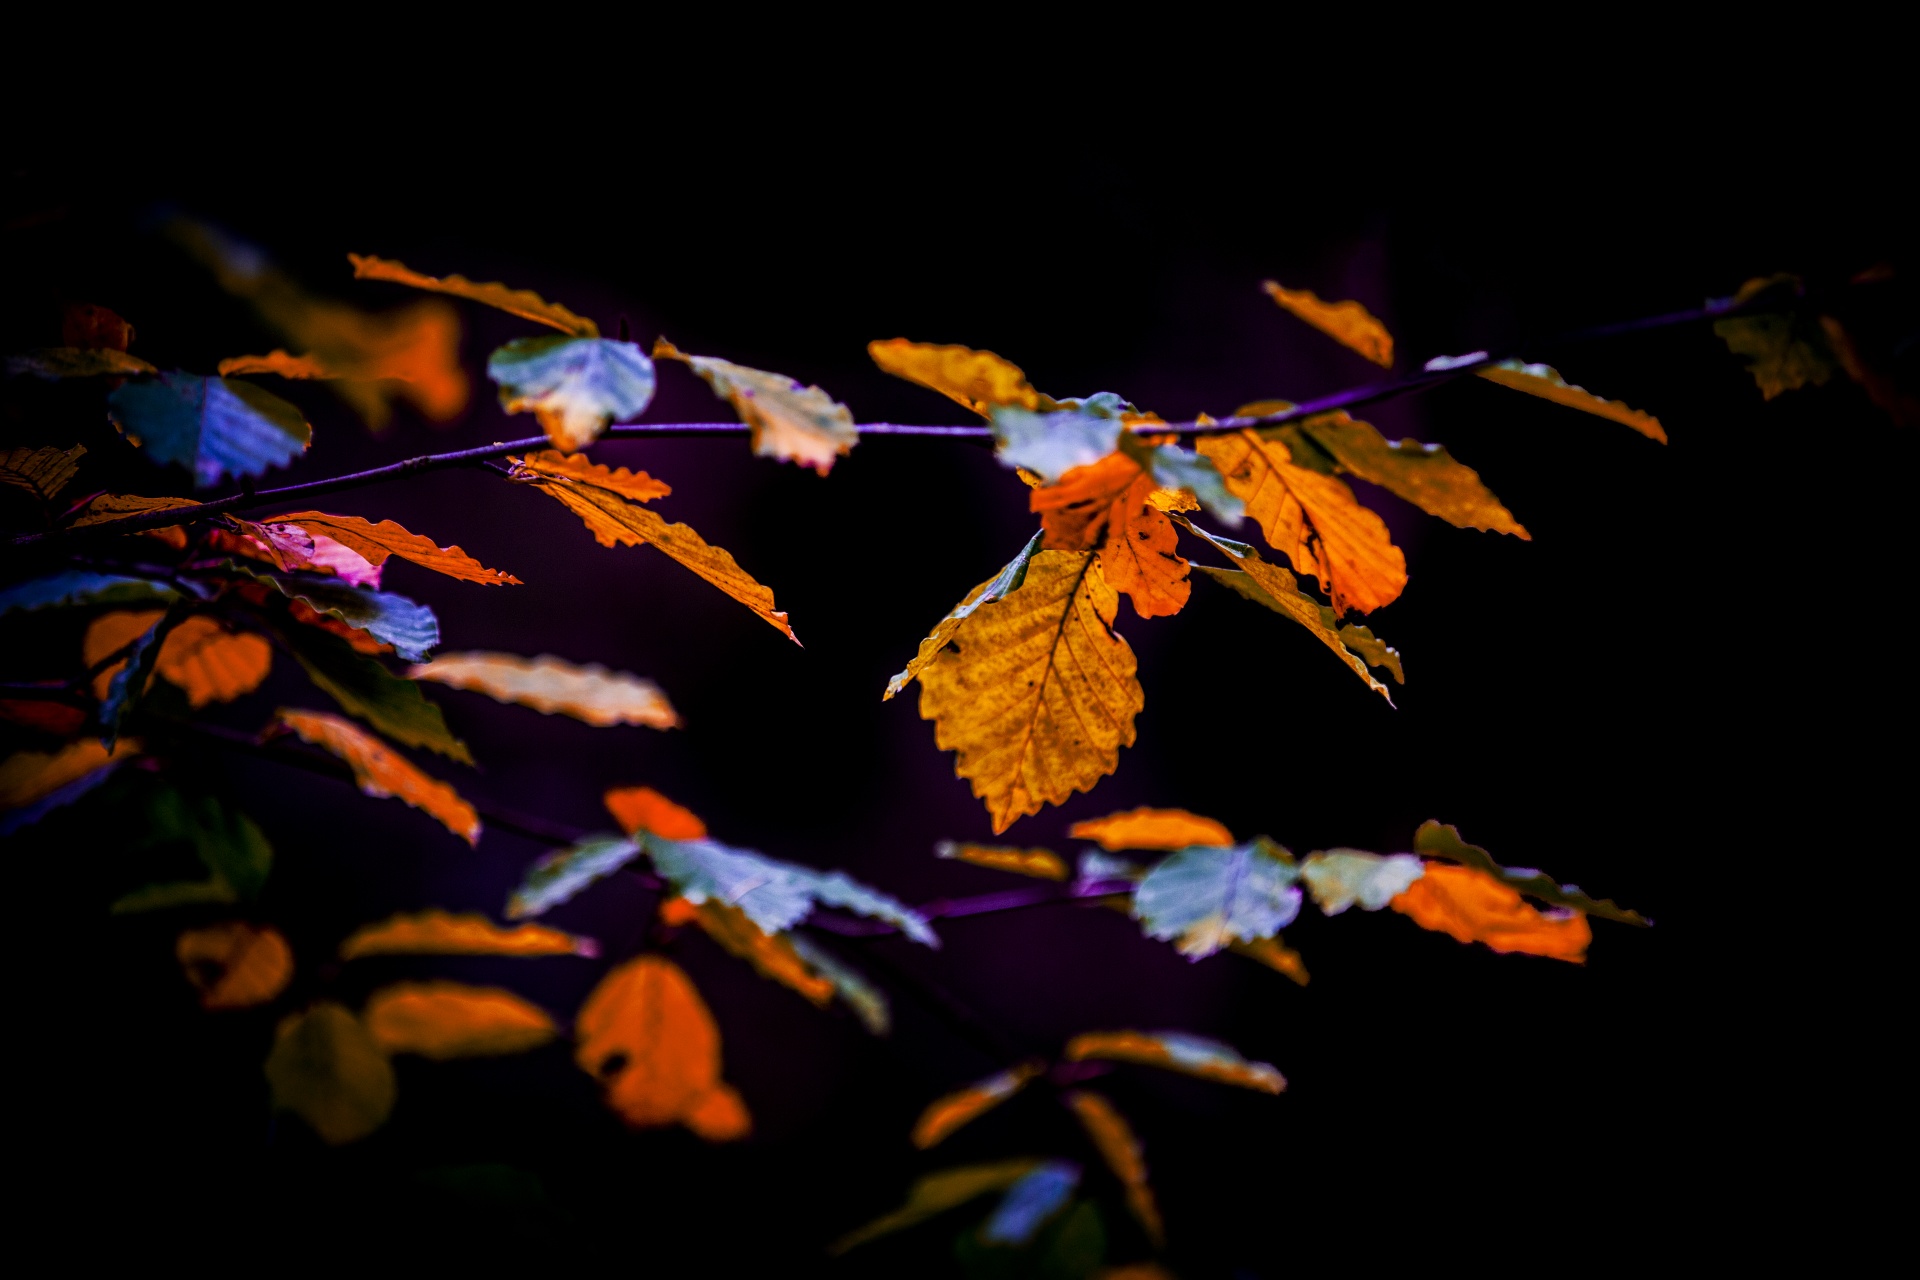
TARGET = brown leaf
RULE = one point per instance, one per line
(771, 955)
(441, 933)
(524, 303)
(376, 542)
(93, 328)
(235, 965)
(118, 506)
(1113, 1138)
(42, 472)
(326, 1069)
(949, 1112)
(1424, 474)
(1109, 506)
(1472, 906)
(977, 379)
(382, 771)
(646, 1035)
(27, 776)
(1545, 382)
(1145, 828)
(451, 1020)
(641, 810)
(1348, 323)
(1042, 864)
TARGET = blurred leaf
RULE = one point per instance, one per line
(95, 328)
(936, 1193)
(441, 933)
(774, 895)
(376, 542)
(451, 1020)
(127, 687)
(646, 1035)
(1208, 897)
(1274, 954)
(998, 587)
(868, 1002)
(211, 426)
(1052, 444)
(382, 772)
(1473, 906)
(772, 956)
(1043, 864)
(524, 303)
(1145, 828)
(1348, 323)
(326, 1069)
(1782, 351)
(1439, 840)
(1104, 507)
(1177, 1051)
(642, 809)
(590, 693)
(1041, 693)
(1424, 474)
(950, 1112)
(227, 842)
(207, 662)
(788, 421)
(235, 965)
(367, 689)
(408, 626)
(559, 875)
(28, 776)
(1338, 878)
(980, 380)
(54, 363)
(42, 472)
(574, 386)
(1031, 1202)
(1540, 380)
(80, 587)
(1113, 1138)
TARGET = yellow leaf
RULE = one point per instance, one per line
(326, 1069)
(1113, 1138)
(42, 472)
(590, 693)
(935, 1194)
(1348, 323)
(1041, 695)
(375, 542)
(643, 810)
(788, 421)
(1145, 828)
(646, 1035)
(772, 955)
(451, 1020)
(1043, 864)
(949, 1112)
(235, 965)
(441, 933)
(382, 771)
(995, 588)
(600, 504)
(977, 379)
(1472, 906)
(1174, 1051)
(1107, 506)
(1313, 519)
(1274, 954)
(1540, 380)
(28, 776)
(524, 303)
(208, 662)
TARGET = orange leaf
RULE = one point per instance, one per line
(1108, 505)
(1274, 954)
(279, 363)
(636, 485)
(110, 632)
(28, 776)
(642, 809)
(949, 1112)
(235, 965)
(646, 1034)
(418, 347)
(1347, 323)
(382, 771)
(772, 955)
(548, 685)
(212, 664)
(1042, 864)
(441, 933)
(977, 379)
(1472, 906)
(451, 1020)
(1113, 1138)
(1145, 828)
(524, 303)
(1172, 1051)
(93, 328)
(375, 542)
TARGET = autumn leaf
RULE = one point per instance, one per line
(54, 363)
(1424, 474)
(1540, 380)
(1113, 1139)
(407, 625)
(559, 875)
(235, 965)
(1042, 864)
(1313, 519)
(80, 586)
(1473, 906)
(1145, 828)
(1039, 693)
(1274, 954)
(376, 542)
(574, 386)
(950, 1112)
(936, 1193)
(548, 685)
(979, 380)
(1339, 878)
(381, 771)
(996, 588)
(774, 895)
(28, 777)
(229, 844)
(451, 1020)
(1439, 840)
(118, 506)
(1030, 1202)
(213, 427)
(647, 1036)
(1177, 1051)
(41, 472)
(641, 810)
(367, 689)
(328, 1070)
(855, 990)
(208, 662)
(771, 955)
(94, 328)
(598, 497)
(1105, 507)
(788, 421)
(636, 486)
(1207, 897)
(441, 933)
(1782, 352)
(1348, 323)
(524, 303)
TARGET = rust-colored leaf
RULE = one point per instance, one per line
(524, 303)
(208, 662)
(382, 771)
(1175, 1051)
(118, 506)
(772, 955)
(1108, 506)
(1274, 954)
(642, 810)
(977, 379)
(1348, 323)
(452, 1020)
(441, 933)
(27, 776)
(548, 685)
(1043, 864)
(1145, 828)
(235, 965)
(646, 1035)
(637, 486)
(376, 542)
(949, 1112)
(1544, 381)
(1113, 1139)
(788, 421)
(326, 1069)
(1472, 906)
(93, 328)
(42, 472)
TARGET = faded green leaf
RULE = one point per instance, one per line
(1424, 474)
(1052, 444)
(214, 427)
(41, 472)
(788, 421)
(998, 587)
(775, 895)
(935, 1194)
(77, 362)
(78, 587)
(365, 688)
(1339, 878)
(1783, 351)
(560, 875)
(1206, 897)
(1175, 468)
(1439, 840)
(868, 1002)
(326, 1069)
(574, 386)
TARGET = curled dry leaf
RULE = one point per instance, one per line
(208, 662)
(524, 303)
(1178, 1051)
(42, 472)
(30, 776)
(235, 965)
(1348, 323)
(1145, 828)
(574, 386)
(980, 380)
(948, 1113)
(1107, 507)
(1042, 864)
(772, 955)
(326, 1069)
(548, 685)
(788, 421)
(1113, 1139)
(383, 772)
(376, 542)
(1545, 382)
(642, 810)
(442, 933)
(647, 1036)
(1472, 906)
(451, 1020)
(936, 1193)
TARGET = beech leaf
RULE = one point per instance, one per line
(376, 542)
(951, 1112)
(788, 421)
(560, 875)
(235, 965)
(228, 843)
(1030, 1202)
(365, 688)
(53, 363)
(856, 991)
(1042, 864)
(774, 895)
(1207, 897)
(1052, 444)
(451, 1020)
(648, 1037)
(211, 426)
(79, 586)
(1424, 474)
(1145, 828)
(772, 955)
(1177, 1051)
(207, 662)
(326, 1069)
(28, 777)
(642, 809)
(1473, 906)
(524, 303)
(382, 772)
(1274, 954)
(408, 626)
(441, 933)
(1348, 323)
(41, 472)
(1439, 840)
(996, 588)
(1113, 1139)
(979, 380)
(1105, 507)
(548, 685)
(574, 386)
(936, 1193)
(1339, 878)
(118, 506)
(1540, 380)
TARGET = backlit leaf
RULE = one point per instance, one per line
(41, 472)
(208, 662)
(118, 506)
(1206, 898)
(1041, 693)
(211, 426)
(647, 1036)
(560, 875)
(1113, 1138)
(128, 686)
(1473, 906)
(642, 809)
(936, 1193)
(599, 502)
(94, 327)
(383, 772)
(451, 1020)
(574, 386)
(1052, 444)
(77, 362)
(407, 625)
(78, 586)
(856, 991)
(774, 895)
(1348, 323)
(998, 587)
(1424, 474)
(30, 776)
(788, 421)
(771, 955)
(376, 542)
(1043, 864)
(1274, 954)
(1540, 380)
(235, 965)
(1030, 1202)
(524, 303)
(1339, 878)
(1105, 507)
(980, 380)
(637, 486)
(950, 1112)
(548, 685)
(1782, 351)
(1177, 1051)
(365, 688)
(1439, 840)
(326, 1069)
(1145, 828)
(442, 933)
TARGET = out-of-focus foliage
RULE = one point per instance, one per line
(381, 771)
(327, 1069)
(574, 386)
(1204, 898)
(548, 685)
(938, 1192)
(1114, 1139)
(1348, 323)
(1177, 1051)
(452, 1020)
(1145, 828)
(788, 421)
(1043, 864)
(647, 1036)
(214, 427)
(951, 1112)
(443, 933)
(235, 965)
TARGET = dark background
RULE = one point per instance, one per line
(1686, 694)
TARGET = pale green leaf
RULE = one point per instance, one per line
(1052, 444)
(560, 875)
(1339, 878)
(1207, 897)
(775, 895)
(575, 386)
